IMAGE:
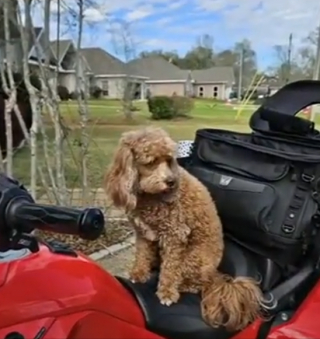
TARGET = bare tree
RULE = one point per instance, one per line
(81, 85)
(47, 7)
(42, 158)
(52, 107)
(124, 48)
(10, 90)
(281, 54)
(27, 34)
(9, 86)
(306, 59)
(11, 106)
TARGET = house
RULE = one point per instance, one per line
(61, 54)
(139, 77)
(153, 75)
(112, 75)
(16, 48)
(62, 66)
(156, 76)
(62, 57)
(64, 52)
(164, 78)
(215, 82)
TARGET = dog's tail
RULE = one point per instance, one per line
(231, 302)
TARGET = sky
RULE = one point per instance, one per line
(175, 25)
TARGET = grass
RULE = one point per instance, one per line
(107, 123)
(110, 112)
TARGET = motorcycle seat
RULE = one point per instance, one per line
(183, 320)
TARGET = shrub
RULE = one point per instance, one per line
(63, 93)
(161, 107)
(164, 107)
(95, 92)
(182, 105)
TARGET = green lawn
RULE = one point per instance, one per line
(106, 123)
(110, 112)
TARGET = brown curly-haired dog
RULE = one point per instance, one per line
(176, 221)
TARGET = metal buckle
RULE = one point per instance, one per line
(288, 229)
(270, 304)
(307, 177)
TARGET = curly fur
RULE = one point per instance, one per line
(178, 228)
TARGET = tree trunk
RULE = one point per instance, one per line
(34, 99)
(83, 107)
(52, 107)
(10, 90)
(124, 46)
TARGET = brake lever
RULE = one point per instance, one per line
(22, 240)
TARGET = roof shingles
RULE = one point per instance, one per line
(151, 68)
(103, 63)
(59, 48)
(214, 74)
(157, 69)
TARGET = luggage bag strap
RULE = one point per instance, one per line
(302, 191)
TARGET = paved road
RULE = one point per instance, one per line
(119, 263)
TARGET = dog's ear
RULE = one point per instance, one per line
(121, 179)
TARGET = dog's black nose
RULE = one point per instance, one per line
(170, 182)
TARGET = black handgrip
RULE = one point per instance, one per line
(279, 122)
(87, 223)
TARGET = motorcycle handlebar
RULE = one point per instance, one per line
(88, 223)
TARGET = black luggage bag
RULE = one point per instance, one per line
(266, 184)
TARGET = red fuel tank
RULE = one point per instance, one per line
(44, 290)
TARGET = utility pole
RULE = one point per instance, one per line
(316, 72)
(240, 73)
(288, 75)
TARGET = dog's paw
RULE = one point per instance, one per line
(139, 275)
(167, 296)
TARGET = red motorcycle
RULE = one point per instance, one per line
(48, 291)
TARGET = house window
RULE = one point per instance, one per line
(215, 91)
(200, 91)
(105, 88)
